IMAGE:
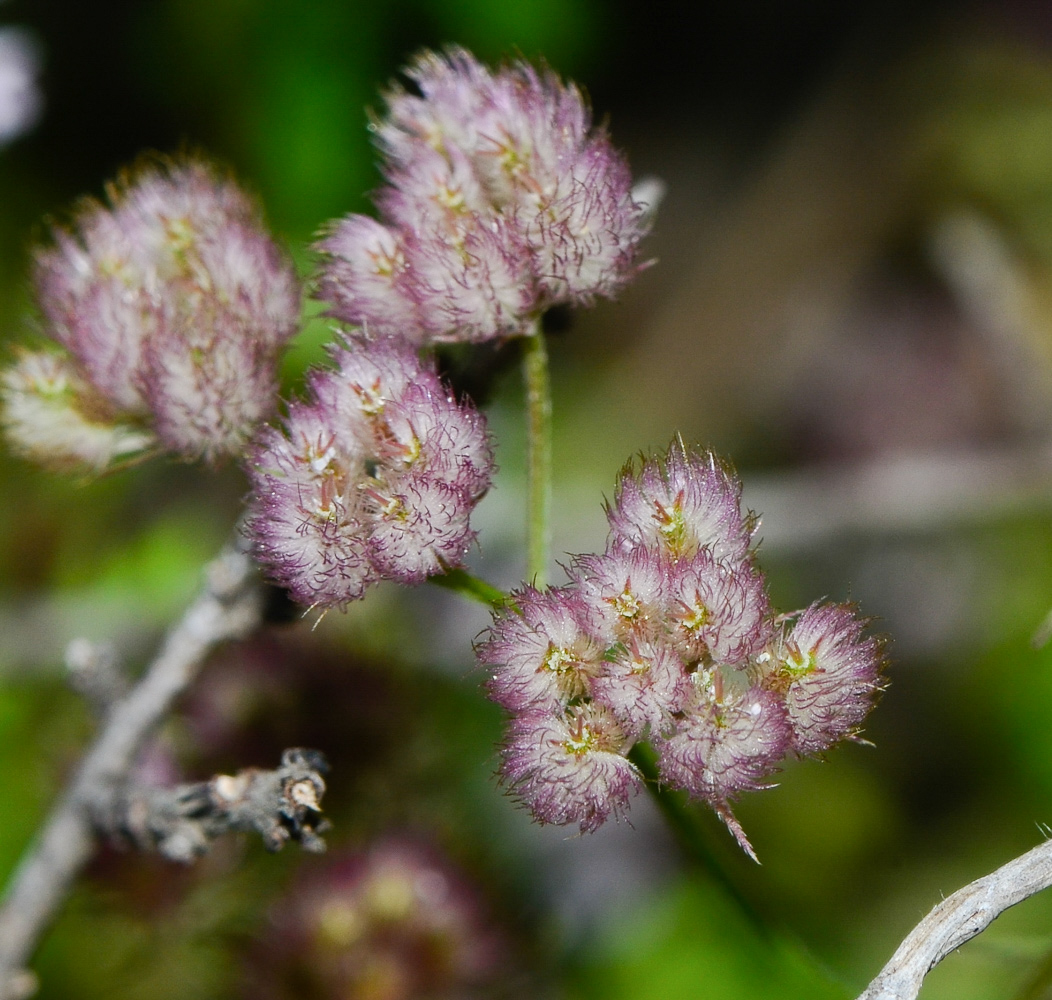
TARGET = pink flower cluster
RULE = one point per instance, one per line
(170, 305)
(374, 476)
(668, 636)
(501, 200)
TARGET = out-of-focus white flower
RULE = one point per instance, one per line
(21, 101)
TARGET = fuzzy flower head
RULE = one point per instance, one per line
(374, 477)
(501, 199)
(542, 653)
(669, 637)
(830, 673)
(680, 503)
(171, 303)
(570, 767)
(53, 415)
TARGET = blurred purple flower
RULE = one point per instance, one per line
(502, 199)
(53, 415)
(394, 922)
(173, 304)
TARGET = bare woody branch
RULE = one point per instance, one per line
(228, 607)
(181, 822)
(958, 919)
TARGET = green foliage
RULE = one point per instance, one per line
(691, 942)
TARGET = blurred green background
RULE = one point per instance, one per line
(852, 301)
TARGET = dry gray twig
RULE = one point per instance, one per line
(228, 607)
(181, 822)
(958, 919)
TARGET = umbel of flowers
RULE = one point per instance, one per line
(668, 636)
(167, 309)
(501, 200)
(374, 476)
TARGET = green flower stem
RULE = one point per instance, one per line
(538, 455)
(690, 834)
(472, 587)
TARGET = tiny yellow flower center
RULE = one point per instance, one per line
(672, 525)
(626, 604)
(559, 660)
(411, 450)
(581, 740)
(180, 235)
(451, 198)
(385, 265)
(696, 616)
(390, 508)
(798, 662)
(369, 398)
(639, 665)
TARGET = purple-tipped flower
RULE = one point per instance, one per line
(718, 610)
(374, 477)
(669, 636)
(727, 746)
(831, 673)
(570, 768)
(644, 683)
(365, 276)
(502, 199)
(542, 654)
(680, 504)
(173, 303)
(626, 592)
